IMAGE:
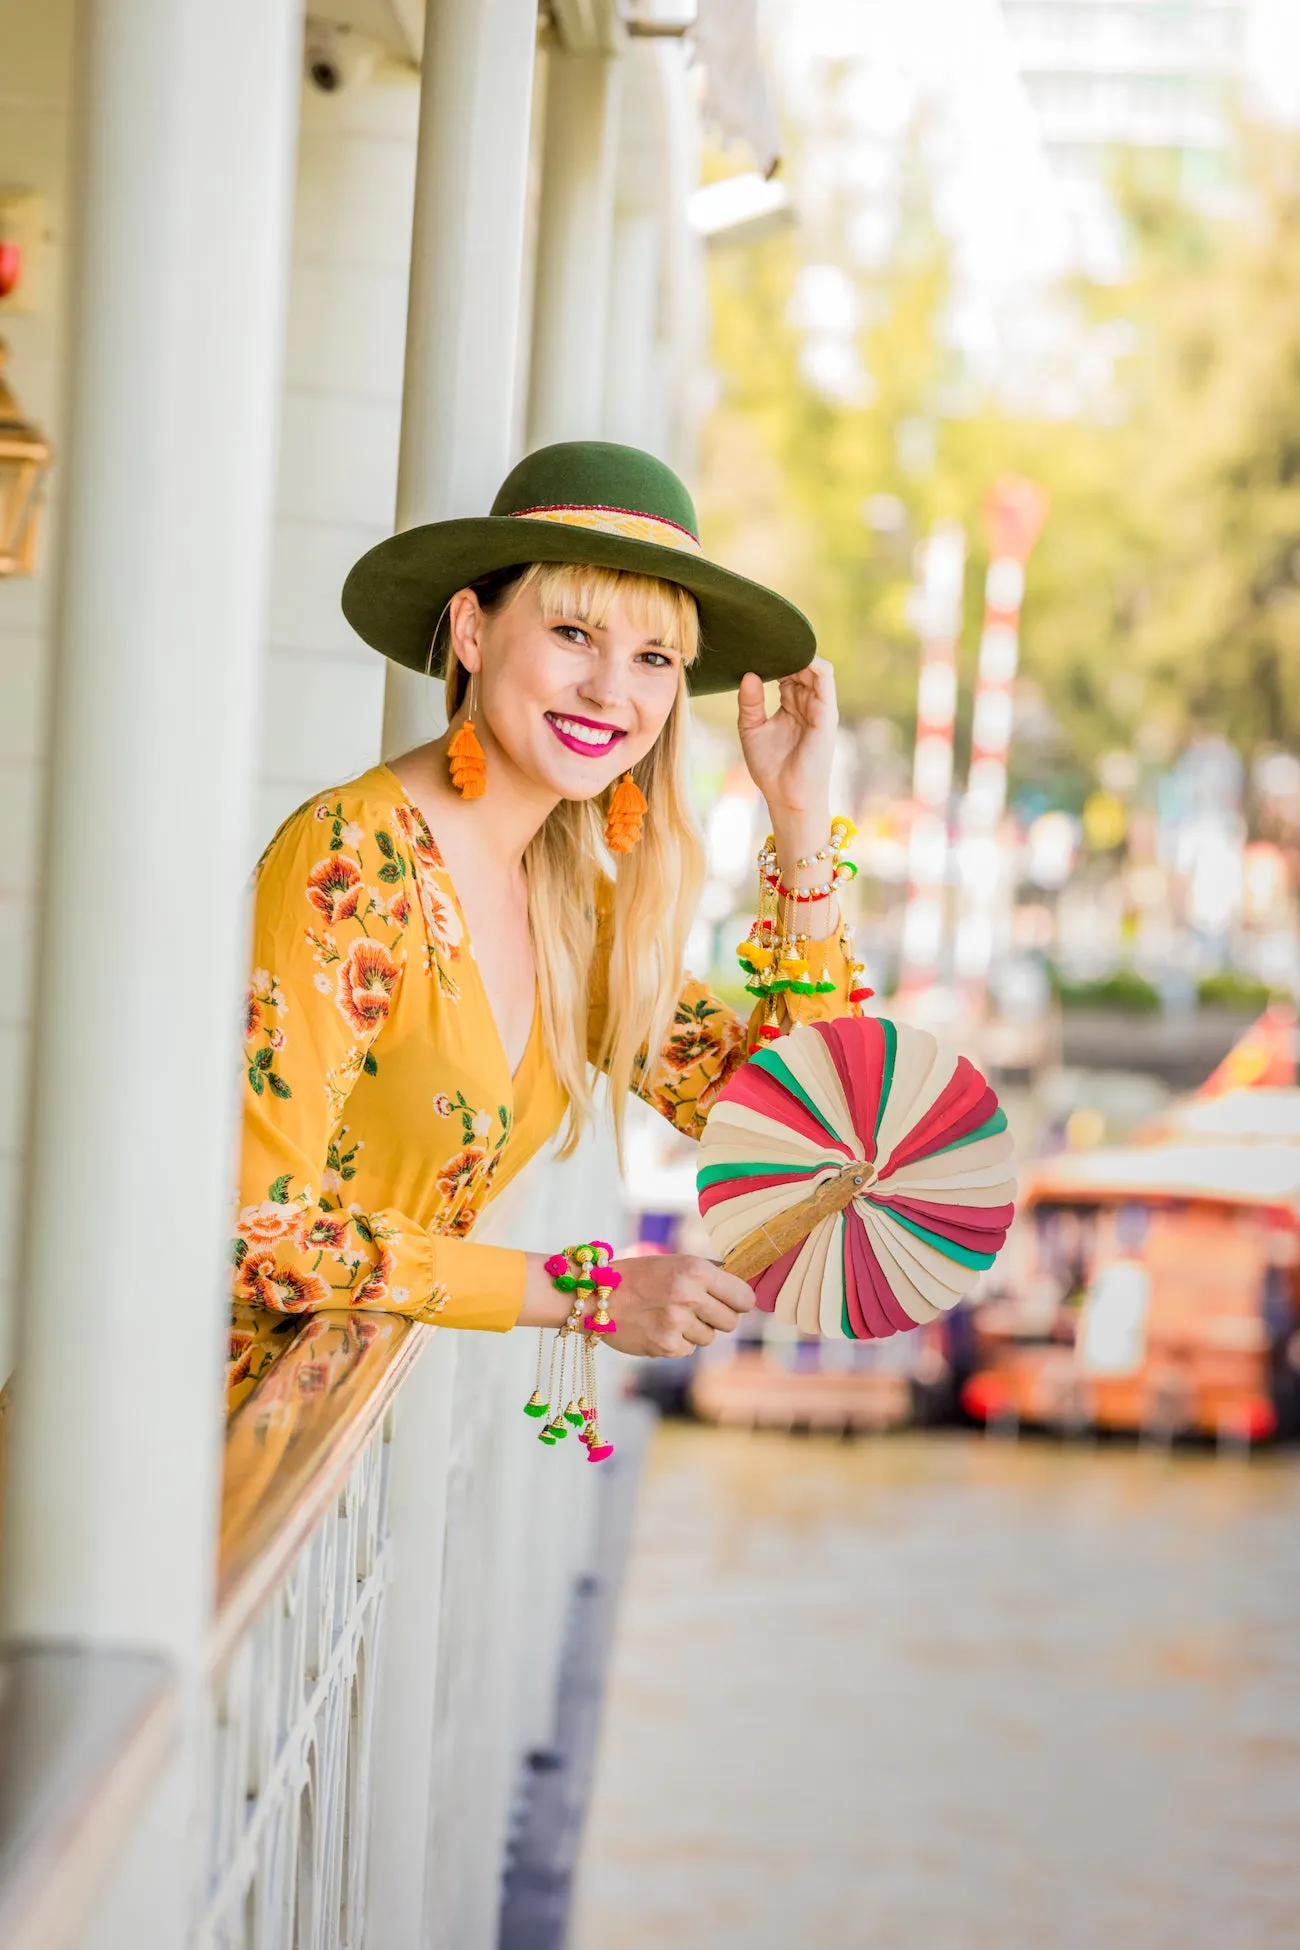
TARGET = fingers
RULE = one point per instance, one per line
(751, 710)
(717, 1314)
(686, 1302)
(810, 691)
(726, 1287)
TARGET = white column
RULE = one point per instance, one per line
(685, 349)
(461, 384)
(633, 407)
(467, 253)
(573, 248)
(184, 125)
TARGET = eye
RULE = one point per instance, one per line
(655, 658)
(571, 632)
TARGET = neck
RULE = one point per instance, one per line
(500, 825)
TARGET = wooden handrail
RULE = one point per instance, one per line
(292, 1444)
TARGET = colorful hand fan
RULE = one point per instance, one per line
(859, 1175)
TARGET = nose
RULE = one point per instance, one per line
(603, 685)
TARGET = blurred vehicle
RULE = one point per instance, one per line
(774, 1379)
(1154, 1290)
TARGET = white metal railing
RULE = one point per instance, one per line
(313, 1556)
(292, 1715)
(378, 1596)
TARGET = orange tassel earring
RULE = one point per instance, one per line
(627, 813)
(465, 757)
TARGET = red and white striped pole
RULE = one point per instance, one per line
(1014, 513)
(937, 611)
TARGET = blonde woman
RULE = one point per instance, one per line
(447, 948)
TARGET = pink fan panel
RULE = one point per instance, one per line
(758, 1091)
(857, 1048)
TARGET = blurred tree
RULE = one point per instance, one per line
(1215, 419)
(1164, 596)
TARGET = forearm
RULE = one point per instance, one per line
(544, 1304)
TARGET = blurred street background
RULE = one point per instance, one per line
(986, 1635)
(950, 1692)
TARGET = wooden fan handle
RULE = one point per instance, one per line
(764, 1246)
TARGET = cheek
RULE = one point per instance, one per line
(526, 675)
(654, 698)
(528, 672)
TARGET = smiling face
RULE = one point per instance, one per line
(578, 672)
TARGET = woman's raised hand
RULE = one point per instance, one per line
(670, 1303)
(788, 755)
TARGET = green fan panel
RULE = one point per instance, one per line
(948, 1247)
(768, 1060)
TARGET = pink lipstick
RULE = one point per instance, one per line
(585, 736)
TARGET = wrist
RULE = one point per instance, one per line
(800, 835)
(544, 1305)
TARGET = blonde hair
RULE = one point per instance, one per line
(641, 904)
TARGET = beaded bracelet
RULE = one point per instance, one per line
(773, 956)
(581, 1272)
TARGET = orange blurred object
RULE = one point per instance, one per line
(1014, 513)
(1158, 1292)
(1265, 1055)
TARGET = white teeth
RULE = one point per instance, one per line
(585, 734)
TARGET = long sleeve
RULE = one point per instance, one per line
(708, 1040)
(335, 918)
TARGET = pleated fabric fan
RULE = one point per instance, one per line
(859, 1175)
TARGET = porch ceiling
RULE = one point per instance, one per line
(396, 25)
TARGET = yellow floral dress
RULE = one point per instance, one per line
(379, 1111)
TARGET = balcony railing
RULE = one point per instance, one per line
(286, 1758)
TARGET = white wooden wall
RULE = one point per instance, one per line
(338, 465)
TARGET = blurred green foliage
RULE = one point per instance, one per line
(1164, 596)
(1124, 990)
(1231, 990)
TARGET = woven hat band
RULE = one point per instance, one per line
(625, 522)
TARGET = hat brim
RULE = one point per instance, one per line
(395, 595)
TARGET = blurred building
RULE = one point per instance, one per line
(1106, 77)
(1103, 75)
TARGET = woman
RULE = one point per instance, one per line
(440, 956)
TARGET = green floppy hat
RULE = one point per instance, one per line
(579, 501)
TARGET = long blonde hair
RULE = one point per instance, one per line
(641, 904)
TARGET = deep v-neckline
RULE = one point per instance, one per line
(534, 1026)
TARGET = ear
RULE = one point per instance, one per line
(465, 622)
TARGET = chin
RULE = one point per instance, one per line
(576, 778)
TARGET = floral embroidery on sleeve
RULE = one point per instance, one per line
(347, 883)
(708, 1042)
(705, 1045)
(465, 1180)
(264, 1011)
(442, 922)
(291, 1253)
